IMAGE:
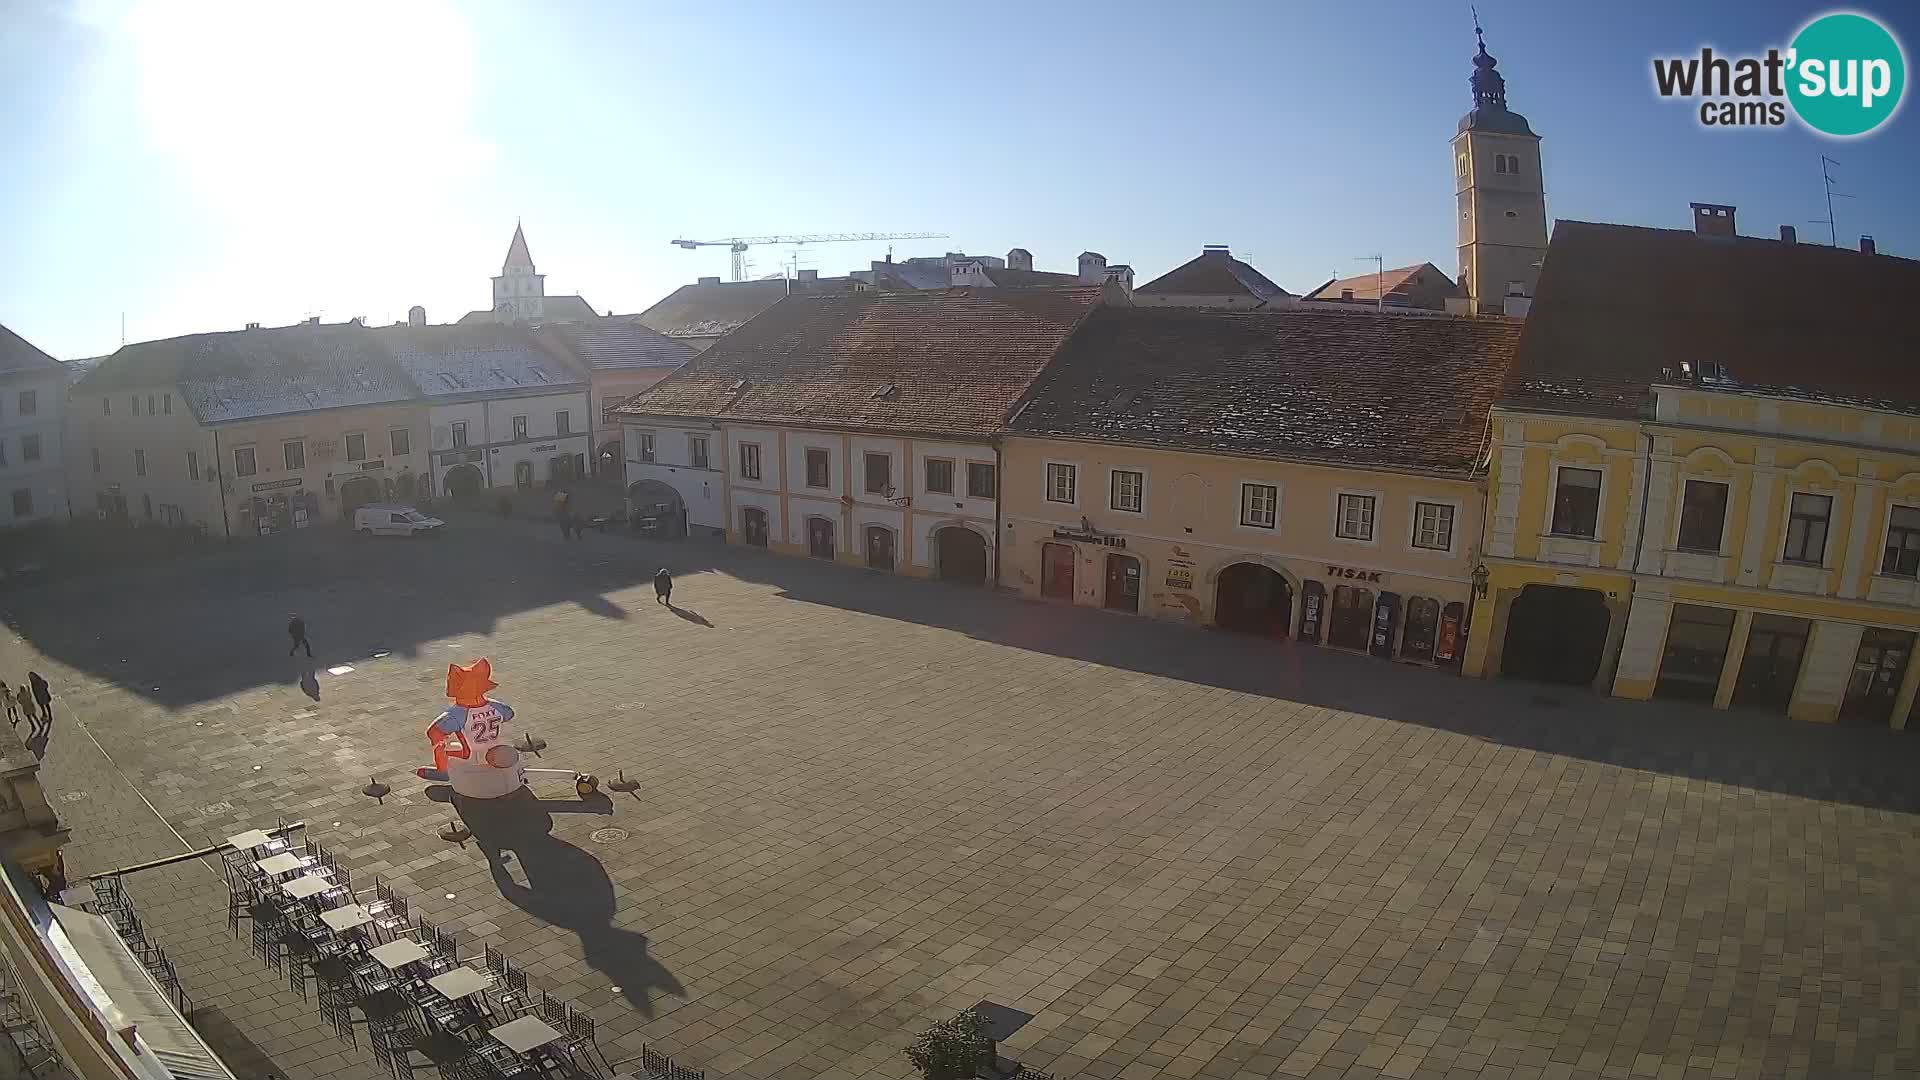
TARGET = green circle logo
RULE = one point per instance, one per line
(1846, 74)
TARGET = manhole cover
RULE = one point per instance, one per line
(608, 836)
(74, 796)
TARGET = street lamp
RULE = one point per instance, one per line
(1480, 580)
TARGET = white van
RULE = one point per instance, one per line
(392, 519)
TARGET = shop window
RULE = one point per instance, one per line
(1703, 513)
(1807, 520)
(1061, 483)
(1696, 652)
(1432, 528)
(1423, 628)
(879, 474)
(1259, 505)
(459, 433)
(749, 461)
(939, 476)
(645, 448)
(356, 447)
(697, 451)
(980, 480)
(295, 454)
(819, 468)
(1355, 518)
(1128, 490)
(1351, 625)
(243, 463)
(1576, 503)
(400, 441)
(1902, 558)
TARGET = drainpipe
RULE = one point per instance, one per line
(999, 480)
(220, 481)
(1639, 539)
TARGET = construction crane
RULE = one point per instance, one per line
(739, 244)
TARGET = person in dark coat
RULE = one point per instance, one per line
(663, 587)
(297, 630)
(42, 697)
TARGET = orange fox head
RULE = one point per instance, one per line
(468, 686)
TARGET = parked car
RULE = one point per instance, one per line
(392, 519)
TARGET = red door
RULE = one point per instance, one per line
(1056, 571)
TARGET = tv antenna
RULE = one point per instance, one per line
(1826, 177)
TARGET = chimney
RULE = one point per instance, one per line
(253, 326)
(1216, 249)
(416, 316)
(1093, 268)
(1121, 275)
(313, 320)
(1346, 294)
(1020, 259)
(1712, 219)
(1788, 235)
(708, 281)
(809, 275)
(1866, 245)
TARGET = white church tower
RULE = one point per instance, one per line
(1501, 197)
(519, 294)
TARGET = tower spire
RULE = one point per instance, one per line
(517, 254)
(1489, 86)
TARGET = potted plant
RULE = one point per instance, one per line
(951, 1049)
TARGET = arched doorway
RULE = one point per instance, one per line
(356, 493)
(1555, 634)
(879, 547)
(656, 508)
(753, 526)
(463, 480)
(1253, 599)
(609, 462)
(961, 554)
(820, 537)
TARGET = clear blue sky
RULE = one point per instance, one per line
(201, 166)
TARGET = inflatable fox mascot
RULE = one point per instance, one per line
(471, 750)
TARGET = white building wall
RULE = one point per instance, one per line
(773, 469)
(440, 421)
(42, 480)
(700, 489)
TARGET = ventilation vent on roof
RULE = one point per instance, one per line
(738, 385)
(886, 393)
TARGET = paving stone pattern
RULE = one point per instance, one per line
(867, 802)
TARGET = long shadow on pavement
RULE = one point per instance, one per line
(565, 887)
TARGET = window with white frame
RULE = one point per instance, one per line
(563, 422)
(940, 476)
(644, 447)
(357, 446)
(1127, 490)
(459, 433)
(819, 468)
(1703, 515)
(1576, 503)
(193, 465)
(519, 428)
(400, 441)
(139, 462)
(1807, 520)
(1060, 483)
(1354, 518)
(294, 454)
(1259, 505)
(879, 473)
(1433, 526)
(980, 480)
(697, 451)
(749, 461)
(30, 447)
(243, 462)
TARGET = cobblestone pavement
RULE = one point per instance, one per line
(866, 802)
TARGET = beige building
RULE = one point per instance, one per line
(1311, 476)
(856, 427)
(622, 357)
(247, 432)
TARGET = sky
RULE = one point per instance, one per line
(195, 167)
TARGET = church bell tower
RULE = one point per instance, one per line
(1500, 196)
(519, 294)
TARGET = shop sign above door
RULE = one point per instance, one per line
(1374, 577)
(1089, 538)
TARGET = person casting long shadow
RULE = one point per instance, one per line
(565, 887)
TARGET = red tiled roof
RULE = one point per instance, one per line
(949, 362)
(1371, 286)
(1214, 273)
(1344, 387)
(1619, 306)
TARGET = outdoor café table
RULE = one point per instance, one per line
(301, 888)
(524, 1034)
(458, 983)
(395, 955)
(247, 841)
(342, 919)
(283, 863)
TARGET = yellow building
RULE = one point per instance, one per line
(1704, 480)
(1306, 475)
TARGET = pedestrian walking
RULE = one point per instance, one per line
(297, 630)
(42, 696)
(22, 702)
(13, 710)
(663, 587)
